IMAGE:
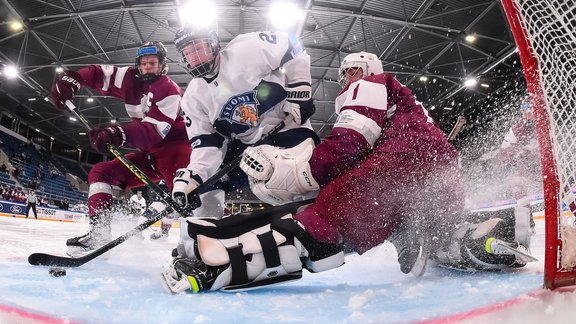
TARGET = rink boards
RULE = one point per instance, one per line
(13, 209)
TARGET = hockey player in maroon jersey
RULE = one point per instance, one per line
(157, 129)
(386, 172)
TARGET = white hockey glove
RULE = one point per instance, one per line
(299, 102)
(278, 175)
(184, 183)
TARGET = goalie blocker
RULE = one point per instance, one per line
(245, 252)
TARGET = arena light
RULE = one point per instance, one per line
(470, 38)
(72, 118)
(284, 15)
(198, 13)
(10, 71)
(89, 99)
(59, 69)
(470, 82)
(16, 26)
(423, 78)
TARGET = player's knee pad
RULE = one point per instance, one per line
(267, 249)
(99, 188)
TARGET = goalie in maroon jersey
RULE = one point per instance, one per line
(157, 129)
(386, 172)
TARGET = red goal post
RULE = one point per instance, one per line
(544, 31)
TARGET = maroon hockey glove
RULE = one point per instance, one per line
(64, 88)
(113, 134)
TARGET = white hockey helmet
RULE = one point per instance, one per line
(370, 64)
(194, 35)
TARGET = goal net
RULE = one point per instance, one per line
(544, 31)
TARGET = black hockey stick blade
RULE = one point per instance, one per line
(62, 261)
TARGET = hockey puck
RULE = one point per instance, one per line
(57, 272)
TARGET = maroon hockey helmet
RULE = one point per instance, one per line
(151, 48)
(196, 35)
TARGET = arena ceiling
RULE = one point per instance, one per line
(425, 44)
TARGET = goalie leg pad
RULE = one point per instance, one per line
(319, 256)
(258, 251)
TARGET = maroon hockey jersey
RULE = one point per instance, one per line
(154, 106)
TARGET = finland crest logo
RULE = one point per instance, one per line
(241, 109)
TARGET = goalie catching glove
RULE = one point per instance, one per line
(299, 102)
(278, 176)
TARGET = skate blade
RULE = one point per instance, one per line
(419, 266)
(524, 256)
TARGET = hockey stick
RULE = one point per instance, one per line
(61, 261)
(164, 196)
(47, 259)
(460, 122)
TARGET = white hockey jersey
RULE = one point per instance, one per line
(245, 99)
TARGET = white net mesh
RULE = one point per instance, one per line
(550, 26)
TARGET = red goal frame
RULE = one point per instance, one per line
(554, 276)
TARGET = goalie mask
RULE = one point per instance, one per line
(151, 48)
(199, 48)
(350, 68)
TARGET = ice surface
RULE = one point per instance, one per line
(124, 286)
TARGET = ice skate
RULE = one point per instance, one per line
(191, 275)
(159, 235)
(162, 235)
(413, 251)
(95, 238)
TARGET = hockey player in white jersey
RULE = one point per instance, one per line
(237, 95)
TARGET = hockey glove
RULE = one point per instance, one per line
(278, 176)
(112, 134)
(299, 102)
(64, 88)
(185, 182)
